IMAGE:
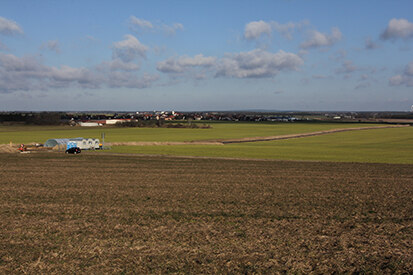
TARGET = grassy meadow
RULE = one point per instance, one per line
(394, 145)
(29, 134)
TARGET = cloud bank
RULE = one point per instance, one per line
(317, 39)
(255, 29)
(28, 73)
(406, 78)
(129, 49)
(137, 24)
(253, 64)
(257, 64)
(181, 64)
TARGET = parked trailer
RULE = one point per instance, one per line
(88, 144)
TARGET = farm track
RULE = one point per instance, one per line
(252, 139)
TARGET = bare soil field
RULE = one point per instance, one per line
(131, 214)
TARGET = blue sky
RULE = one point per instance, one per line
(206, 55)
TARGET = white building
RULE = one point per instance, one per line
(114, 121)
(89, 124)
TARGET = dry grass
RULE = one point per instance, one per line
(128, 214)
(9, 148)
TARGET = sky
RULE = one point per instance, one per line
(206, 55)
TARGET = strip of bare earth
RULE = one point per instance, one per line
(252, 139)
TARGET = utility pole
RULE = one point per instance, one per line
(103, 140)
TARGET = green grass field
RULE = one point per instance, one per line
(39, 134)
(394, 145)
(378, 145)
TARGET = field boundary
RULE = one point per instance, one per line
(251, 139)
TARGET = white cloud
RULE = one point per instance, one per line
(398, 28)
(27, 73)
(52, 45)
(65, 75)
(362, 86)
(287, 29)
(347, 67)
(317, 39)
(319, 76)
(370, 44)
(406, 78)
(253, 64)
(129, 80)
(13, 63)
(257, 63)
(171, 29)
(255, 29)
(181, 64)
(129, 49)
(117, 65)
(123, 55)
(409, 69)
(140, 23)
(396, 80)
(17, 73)
(9, 27)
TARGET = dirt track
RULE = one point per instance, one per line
(253, 139)
(150, 143)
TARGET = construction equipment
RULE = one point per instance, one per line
(22, 148)
(32, 147)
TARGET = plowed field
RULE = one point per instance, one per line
(128, 214)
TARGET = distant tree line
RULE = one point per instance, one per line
(154, 120)
(389, 115)
(41, 118)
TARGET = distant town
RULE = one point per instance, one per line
(90, 119)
